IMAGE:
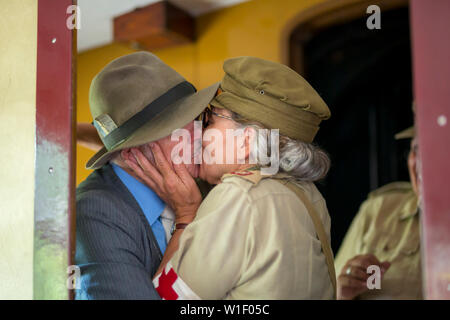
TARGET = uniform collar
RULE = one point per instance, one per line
(253, 175)
(148, 200)
(410, 207)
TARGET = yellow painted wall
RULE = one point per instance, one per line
(252, 28)
(18, 47)
(89, 64)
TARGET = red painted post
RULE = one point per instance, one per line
(430, 24)
(55, 152)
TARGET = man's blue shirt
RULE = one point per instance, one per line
(148, 200)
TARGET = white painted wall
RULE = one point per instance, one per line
(97, 16)
(18, 47)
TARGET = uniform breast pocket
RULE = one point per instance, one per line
(411, 246)
(376, 243)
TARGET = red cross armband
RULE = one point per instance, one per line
(171, 287)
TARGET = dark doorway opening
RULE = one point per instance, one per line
(365, 78)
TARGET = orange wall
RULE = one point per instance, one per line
(252, 28)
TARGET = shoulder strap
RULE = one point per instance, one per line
(319, 229)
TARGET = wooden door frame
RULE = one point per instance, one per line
(54, 218)
(431, 74)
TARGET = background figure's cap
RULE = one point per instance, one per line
(272, 94)
(406, 134)
(137, 99)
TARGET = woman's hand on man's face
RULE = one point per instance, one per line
(175, 186)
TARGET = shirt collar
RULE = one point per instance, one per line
(410, 207)
(148, 200)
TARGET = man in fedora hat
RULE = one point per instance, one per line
(122, 225)
(385, 232)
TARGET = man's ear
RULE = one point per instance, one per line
(148, 153)
(126, 154)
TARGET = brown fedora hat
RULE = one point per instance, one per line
(137, 99)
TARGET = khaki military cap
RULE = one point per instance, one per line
(137, 99)
(409, 132)
(272, 94)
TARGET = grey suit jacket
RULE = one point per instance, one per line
(115, 246)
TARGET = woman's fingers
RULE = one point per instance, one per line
(140, 173)
(183, 173)
(161, 162)
(148, 169)
(191, 187)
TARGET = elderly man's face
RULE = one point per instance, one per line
(413, 166)
(166, 145)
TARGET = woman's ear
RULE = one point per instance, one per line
(247, 142)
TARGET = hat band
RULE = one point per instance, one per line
(153, 109)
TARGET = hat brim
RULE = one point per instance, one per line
(175, 116)
(406, 134)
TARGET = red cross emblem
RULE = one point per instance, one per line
(166, 281)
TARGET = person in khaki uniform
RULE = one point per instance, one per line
(255, 236)
(385, 232)
(252, 238)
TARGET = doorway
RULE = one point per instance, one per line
(365, 78)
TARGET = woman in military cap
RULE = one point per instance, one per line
(256, 235)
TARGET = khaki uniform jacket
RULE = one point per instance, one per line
(252, 238)
(387, 225)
